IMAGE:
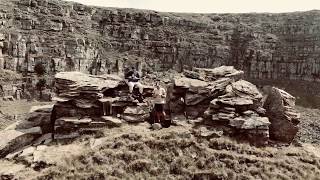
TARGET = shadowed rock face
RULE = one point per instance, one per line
(67, 36)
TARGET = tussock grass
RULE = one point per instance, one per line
(180, 155)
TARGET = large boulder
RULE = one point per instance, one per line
(246, 89)
(10, 140)
(284, 119)
(136, 114)
(194, 95)
(37, 116)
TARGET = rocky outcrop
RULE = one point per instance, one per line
(236, 106)
(38, 116)
(224, 101)
(12, 140)
(87, 101)
(83, 103)
(284, 118)
(69, 36)
(221, 101)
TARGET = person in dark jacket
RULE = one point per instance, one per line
(133, 78)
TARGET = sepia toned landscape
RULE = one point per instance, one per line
(214, 96)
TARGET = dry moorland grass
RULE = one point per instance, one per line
(175, 153)
(309, 127)
(135, 152)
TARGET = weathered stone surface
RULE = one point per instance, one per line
(73, 120)
(33, 130)
(11, 140)
(137, 110)
(27, 152)
(236, 101)
(89, 101)
(245, 89)
(279, 107)
(266, 46)
(156, 126)
(72, 84)
(219, 72)
(71, 135)
(193, 75)
(205, 132)
(256, 123)
(112, 121)
(43, 108)
(133, 119)
(45, 138)
(37, 116)
(188, 83)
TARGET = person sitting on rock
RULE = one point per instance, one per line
(133, 78)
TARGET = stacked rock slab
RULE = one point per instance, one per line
(241, 117)
(13, 139)
(224, 100)
(192, 93)
(85, 101)
(32, 129)
(38, 116)
(284, 118)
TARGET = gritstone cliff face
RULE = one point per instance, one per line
(69, 36)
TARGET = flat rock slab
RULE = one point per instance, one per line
(256, 123)
(33, 130)
(246, 89)
(133, 119)
(103, 100)
(236, 101)
(134, 111)
(27, 152)
(66, 136)
(44, 138)
(112, 121)
(10, 140)
(222, 71)
(187, 82)
(72, 84)
(73, 120)
(44, 108)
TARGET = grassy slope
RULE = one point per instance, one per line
(175, 153)
(135, 152)
(309, 127)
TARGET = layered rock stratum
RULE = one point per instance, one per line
(68, 36)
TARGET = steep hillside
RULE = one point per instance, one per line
(69, 36)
